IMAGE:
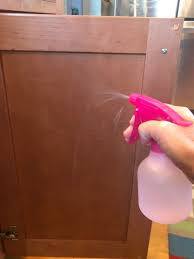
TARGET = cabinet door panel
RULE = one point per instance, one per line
(75, 169)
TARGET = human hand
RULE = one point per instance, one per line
(176, 141)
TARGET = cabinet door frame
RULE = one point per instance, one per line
(142, 36)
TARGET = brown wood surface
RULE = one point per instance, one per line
(158, 245)
(34, 6)
(159, 81)
(76, 174)
(73, 33)
(161, 69)
(61, 6)
(61, 144)
(10, 196)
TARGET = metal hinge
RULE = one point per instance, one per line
(9, 233)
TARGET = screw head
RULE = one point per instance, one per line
(176, 26)
(164, 50)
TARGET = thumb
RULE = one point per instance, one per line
(154, 130)
(168, 135)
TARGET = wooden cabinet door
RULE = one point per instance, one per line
(69, 179)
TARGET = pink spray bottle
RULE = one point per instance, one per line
(164, 192)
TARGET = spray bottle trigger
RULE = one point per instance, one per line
(137, 121)
(148, 109)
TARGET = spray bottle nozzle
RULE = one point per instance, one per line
(147, 109)
(133, 98)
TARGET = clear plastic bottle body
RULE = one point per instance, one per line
(164, 192)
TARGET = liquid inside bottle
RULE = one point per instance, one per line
(164, 192)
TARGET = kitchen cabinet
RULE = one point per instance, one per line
(35, 6)
(68, 179)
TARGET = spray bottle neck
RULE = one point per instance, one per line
(155, 147)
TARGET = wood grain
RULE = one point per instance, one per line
(61, 7)
(73, 33)
(35, 6)
(159, 81)
(161, 69)
(10, 196)
(79, 248)
(58, 120)
(158, 245)
(2, 255)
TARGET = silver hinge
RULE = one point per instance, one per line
(9, 233)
